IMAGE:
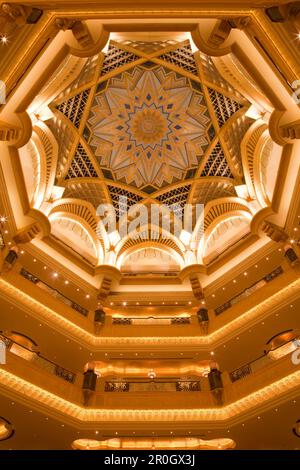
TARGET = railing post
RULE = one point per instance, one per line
(89, 386)
(216, 385)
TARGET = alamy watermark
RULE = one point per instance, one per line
(296, 94)
(2, 92)
(296, 353)
(2, 352)
(185, 222)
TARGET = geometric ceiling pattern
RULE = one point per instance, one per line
(149, 122)
(149, 127)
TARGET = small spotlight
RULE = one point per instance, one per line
(4, 39)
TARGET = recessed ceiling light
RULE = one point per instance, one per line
(234, 281)
(87, 296)
(55, 275)
(4, 39)
(66, 282)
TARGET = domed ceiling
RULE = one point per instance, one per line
(140, 122)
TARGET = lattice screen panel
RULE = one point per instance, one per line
(224, 107)
(182, 57)
(81, 166)
(115, 58)
(217, 164)
(212, 75)
(121, 204)
(65, 139)
(233, 138)
(176, 199)
(87, 75)
(74, 107)
(148, 47)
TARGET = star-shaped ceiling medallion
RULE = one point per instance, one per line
(149, 126)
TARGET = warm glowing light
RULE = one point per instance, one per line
(4, 40)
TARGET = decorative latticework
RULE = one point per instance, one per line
(212, 75)
(206, 192)
(233, 137)
(74, 107)
(182, 57)
(91, 191)
(217, 164)
(65, 138)
(81, 166)
(148, 47)
(86, 76)
(224, 107)
(122, 199)
(115, 58)
(176, 199)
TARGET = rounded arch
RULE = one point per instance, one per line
(86, 228)
(164, 249)
(240, 221)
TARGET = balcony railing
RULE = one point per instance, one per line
(54, 292)
(250, 290)
(36, 358)
(152, 386)
(151, 320)
(261, 361)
